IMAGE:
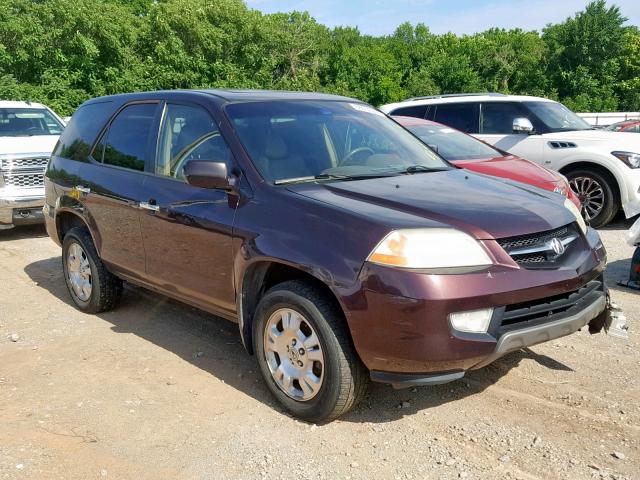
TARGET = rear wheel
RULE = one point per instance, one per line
(92, 287)
(593, 188)
(305, 354)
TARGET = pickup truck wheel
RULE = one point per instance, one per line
(599, 204)
(305, 354)
(92, 287)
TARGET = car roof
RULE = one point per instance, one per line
(462, 98)
(19, 104)
(233, 95)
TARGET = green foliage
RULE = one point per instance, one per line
(61, 52)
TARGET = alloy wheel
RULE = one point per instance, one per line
(79, 272)
(294, 355)
(591, 196)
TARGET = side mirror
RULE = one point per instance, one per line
(522, 125)
(208, 174)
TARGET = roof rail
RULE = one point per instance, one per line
(449, 95)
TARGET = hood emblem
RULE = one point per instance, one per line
(556, 246)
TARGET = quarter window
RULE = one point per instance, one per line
(417, 111)
(497, 117)
(188, 133)
(126, 143)
(461, 116)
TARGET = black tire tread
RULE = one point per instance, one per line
(109, 286)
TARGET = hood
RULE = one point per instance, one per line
(512, 167)
(482, 206)
(22, 145)
(609, 141)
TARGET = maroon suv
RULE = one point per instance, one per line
(343, 247)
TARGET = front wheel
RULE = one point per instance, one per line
(599, 204)
(305, 354)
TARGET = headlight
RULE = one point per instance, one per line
(631, 159)
(576, 213)
(429, 248)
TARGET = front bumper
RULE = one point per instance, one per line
(399, 319)
(20, 210)
(631, 207)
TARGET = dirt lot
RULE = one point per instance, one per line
(158, 390)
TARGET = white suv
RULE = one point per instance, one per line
(603, 167)
(28, 133)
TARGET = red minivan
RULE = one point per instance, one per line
(468, 152)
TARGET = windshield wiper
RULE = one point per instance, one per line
(332, 176)
(421, 168)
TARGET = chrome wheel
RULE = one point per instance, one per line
(79, 272)
(294, 355)
(591, 196)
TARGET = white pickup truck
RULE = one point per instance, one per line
(28, 133)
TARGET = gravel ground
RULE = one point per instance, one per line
(158, 390)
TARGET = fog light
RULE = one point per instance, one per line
(473, 321)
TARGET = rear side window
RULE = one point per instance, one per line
(417, 111)
(83, 128)
(126, 143)
(461, 116)
(498, 117)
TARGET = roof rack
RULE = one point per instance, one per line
(450, 95)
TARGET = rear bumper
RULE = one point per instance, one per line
(20, 211)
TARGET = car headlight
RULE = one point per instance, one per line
(576, 213)
(429, 248)
(630, 158)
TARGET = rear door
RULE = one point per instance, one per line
(112, 184)
(463, 116)
(187, 230)
(496, 128)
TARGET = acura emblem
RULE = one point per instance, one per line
(556, 245)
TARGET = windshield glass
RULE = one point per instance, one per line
(452, 144)
(557, 117)
(27, 122)
(302, 140)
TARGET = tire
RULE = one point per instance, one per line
(586, 182)
(105, 288)
(343, 377)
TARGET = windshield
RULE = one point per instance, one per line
(302, 140)
(27, 122)
(452, 144)
(557, 117)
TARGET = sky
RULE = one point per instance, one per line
(380, 17)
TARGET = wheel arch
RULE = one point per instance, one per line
(66, 220)
(261, 275)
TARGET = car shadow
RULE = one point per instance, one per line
(213, 345)
(23, 232)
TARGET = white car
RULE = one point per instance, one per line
(602, 167)
(28, 133)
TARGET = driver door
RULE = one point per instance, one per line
(496, 128)
(187, 231)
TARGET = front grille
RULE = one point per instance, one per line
(535, 251)
(524, 314)
(23, 163)
(23, 180)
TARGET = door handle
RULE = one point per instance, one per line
(151, 205)
(82, 189)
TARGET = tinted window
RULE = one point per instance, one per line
(452, 144)
(28, 122)
(417, 111)
(299, 140)
(126, 142)
(188, 133)
(497, 117)
(82, 130)
(462, 116)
